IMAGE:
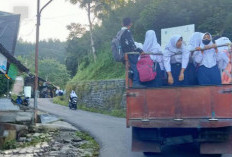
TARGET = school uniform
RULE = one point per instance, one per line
(191, 70)
(128, 45)
(208, 72)
(174, 62)
(223, 60)
(152, 46)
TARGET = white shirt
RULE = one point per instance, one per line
(209, 58)
(73, 94)
(222, 57)
(171, 54)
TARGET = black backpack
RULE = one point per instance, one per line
(116, 47)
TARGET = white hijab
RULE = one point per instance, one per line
(172, 44)
(222, 58)
(211, 42)
(73, 94)
(150, 44)
(221, 41)
(195, 40)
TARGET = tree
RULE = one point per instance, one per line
(93, 9)
(89, 6)
(75, 30)
(49, 69)
(54, 72)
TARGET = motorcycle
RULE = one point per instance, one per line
(73, 103)
(26, 101)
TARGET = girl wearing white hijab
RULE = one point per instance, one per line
(191, 70)
(175, 63)
(208, 72)
(223, 60)
(152, 46)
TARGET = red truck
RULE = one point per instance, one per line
(177, 115)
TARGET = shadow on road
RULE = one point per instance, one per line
(187, 150)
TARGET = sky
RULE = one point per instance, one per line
(54, 19)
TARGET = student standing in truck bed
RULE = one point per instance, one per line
(128, 45)
(176, 59)
(208, 71)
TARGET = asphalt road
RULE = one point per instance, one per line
(111, 132)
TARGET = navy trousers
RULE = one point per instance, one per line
(209, 76)
(176, 68)
(191, 74)
(133, 59)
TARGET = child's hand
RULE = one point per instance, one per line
(198, 48)
(170, 79)
(181, 77)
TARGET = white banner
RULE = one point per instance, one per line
(3, 63)
(185, 31)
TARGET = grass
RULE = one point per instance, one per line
(61, 100)
(104, 68)
(91, 143)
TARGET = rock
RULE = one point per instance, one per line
(36, 134)
(6, 152)
(30, 150)
(58, 125)
(47, 118)
(23, 151)
(24, 117)
(65, 141)
(28, 140)
(54, 153)
(76, 139)
(55, 148)
(86, 153)
(44, 144)
(22, 139)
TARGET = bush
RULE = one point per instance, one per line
(62, 100)
(104, 68)
(3, 84)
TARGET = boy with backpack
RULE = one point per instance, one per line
(127, 44)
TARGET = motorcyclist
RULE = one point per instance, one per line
(72, 95)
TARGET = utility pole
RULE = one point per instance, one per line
(39, 11)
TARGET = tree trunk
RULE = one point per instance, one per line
(91, 33)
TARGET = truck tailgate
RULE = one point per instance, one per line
(196, 106)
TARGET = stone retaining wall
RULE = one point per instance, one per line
(105, 94)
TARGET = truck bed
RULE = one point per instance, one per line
(180, 107)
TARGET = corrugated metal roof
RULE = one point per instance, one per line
(9, 26)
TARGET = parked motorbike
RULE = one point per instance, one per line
(73, 103)
(26, 101)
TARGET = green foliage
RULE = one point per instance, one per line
(115, 112)
(90, 144)
(62, 100)
(54, 72)
(208, 16)
(49, 69)
(104, 68)
(10, 145)
(3, 84)
(52, 49)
